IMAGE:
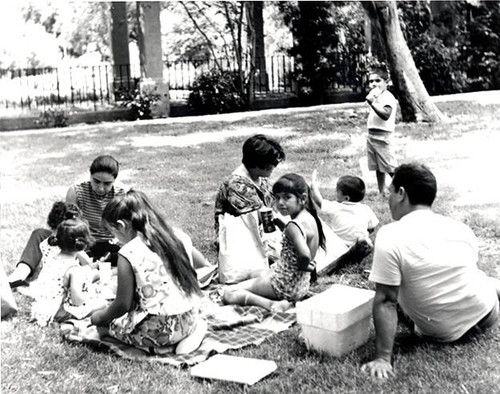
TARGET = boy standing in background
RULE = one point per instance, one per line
(381, 123)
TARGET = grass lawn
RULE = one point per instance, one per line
(180, 163)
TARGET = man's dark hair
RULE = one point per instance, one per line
(418, 181)
(260, 151)
(352, 186)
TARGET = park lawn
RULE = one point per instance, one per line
(179, 163)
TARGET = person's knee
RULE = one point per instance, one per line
(234, 296)
(40, 234)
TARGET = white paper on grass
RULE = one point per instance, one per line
(234, 369)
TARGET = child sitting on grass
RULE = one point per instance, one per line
(288, 279)
(60, 211)
(158, 296)
(63, 287)
(349, 218)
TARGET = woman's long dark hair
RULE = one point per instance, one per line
(136, 208)
(295, 184)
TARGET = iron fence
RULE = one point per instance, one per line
(271, 74)
(71, 86)
(102, 85)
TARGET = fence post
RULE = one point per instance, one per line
(94, 95)
(58, 87)
(100, 84)
(107, 83)
(71, 88)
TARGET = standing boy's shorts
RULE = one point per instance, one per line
(380, 155)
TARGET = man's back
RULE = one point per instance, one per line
(434, 261)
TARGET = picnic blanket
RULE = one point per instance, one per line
(229, 327)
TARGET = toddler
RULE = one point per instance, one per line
(63, 287)
(349, 218)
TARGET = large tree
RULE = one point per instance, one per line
(414, 100)
(257, 49)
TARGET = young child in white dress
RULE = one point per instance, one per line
(64, 288)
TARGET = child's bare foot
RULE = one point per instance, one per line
(280, 306)
(193, 341)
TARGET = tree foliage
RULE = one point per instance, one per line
(320, 29)
(237, 19)
(412, 95)
(48, 31)
(456, 46)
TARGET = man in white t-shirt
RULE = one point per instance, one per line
(426, 263)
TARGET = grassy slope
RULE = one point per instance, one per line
(37, 168)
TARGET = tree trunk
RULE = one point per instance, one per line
(119, 45)
(251, 40)
(414, 100)
(151, 56)
(260, 50)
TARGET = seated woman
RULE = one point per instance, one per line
(90, 197)
(243, 252)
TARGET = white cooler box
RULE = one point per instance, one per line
(337, 320)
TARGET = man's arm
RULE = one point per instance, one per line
(385, 318)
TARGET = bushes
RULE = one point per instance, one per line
(53, 118)
(138, 102)
(217, 92)
(456, 47)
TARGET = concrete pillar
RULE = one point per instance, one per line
(151, 56)
(260, 51)
(119, 46)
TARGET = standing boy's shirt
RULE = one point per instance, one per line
(349, 220)
(375, 122)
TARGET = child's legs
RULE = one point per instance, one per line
(157, 331)
(371, 156)
(380, 181)
(258, 292)
(31, 255)
(260, 286)
(381, 159)
(245, 297)
(193, 341)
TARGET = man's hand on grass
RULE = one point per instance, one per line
(378, 368)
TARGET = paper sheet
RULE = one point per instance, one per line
(234, 369)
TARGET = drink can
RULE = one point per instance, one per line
(266, 217)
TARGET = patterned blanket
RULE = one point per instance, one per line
(229, 327)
